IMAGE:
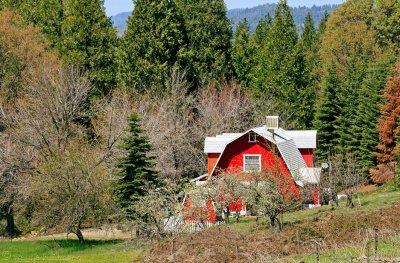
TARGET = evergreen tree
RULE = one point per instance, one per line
(48, 15)
(261, 33)
(151, 44)
(80, 31)
(322, 25)
(282, 74)
(208, 36)
(243, 53)
(136, 168)
(348, 99)
(305, 61)
(365, 136)
(325, 116)
(273, 75)
(89, 39)
(309, 36)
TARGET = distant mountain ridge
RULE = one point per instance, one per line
(253, 15)
(120, 21)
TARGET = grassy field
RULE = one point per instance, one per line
(379, 207)
(381, 197)
(69, 251)
(387, 249)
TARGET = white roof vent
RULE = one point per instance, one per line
(272, 122)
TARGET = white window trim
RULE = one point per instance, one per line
(244, 162)
(255, 136)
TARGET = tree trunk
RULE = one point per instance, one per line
(335, 198)
(350, 200)
(78, 233)
(280, 224)
(227, 213)
(272, 220)
(10, 224)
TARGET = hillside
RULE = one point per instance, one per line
(335, 234)
(253, 15)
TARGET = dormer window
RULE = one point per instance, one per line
(252, 137)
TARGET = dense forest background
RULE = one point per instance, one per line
(86, 115)
(253, 15)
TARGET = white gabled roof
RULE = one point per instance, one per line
(217, 144)
(302, 139)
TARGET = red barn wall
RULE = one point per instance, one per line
(232, 158)
(308, 156)
(212, 160)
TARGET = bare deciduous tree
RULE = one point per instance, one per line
(160, 210)
(66, 181)
(72, 188)
(271, 195)
(344, 175)
(177, 122)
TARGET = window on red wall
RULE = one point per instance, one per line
(252, 163)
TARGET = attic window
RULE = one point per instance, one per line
(252, 163)
(252, 137)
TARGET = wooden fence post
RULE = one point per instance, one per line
(376, 242)
(173, 251)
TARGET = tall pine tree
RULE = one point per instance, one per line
(151, 44)
(80, 31)
(325, 116)
(243, 54)
(273, 74)
(208, 36)
(282, 74)
(88, 38)
(263, 27)
(136, 168)
(305, 61)
(348, 99)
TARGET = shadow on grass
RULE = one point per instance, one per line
(75, 245)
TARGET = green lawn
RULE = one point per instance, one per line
(371, 201)
(69, 251)
(388, 249)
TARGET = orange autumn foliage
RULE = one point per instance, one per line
(388, 128)
(24, 54)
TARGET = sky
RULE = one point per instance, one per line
(114, 7)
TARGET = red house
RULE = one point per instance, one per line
(260, 149)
